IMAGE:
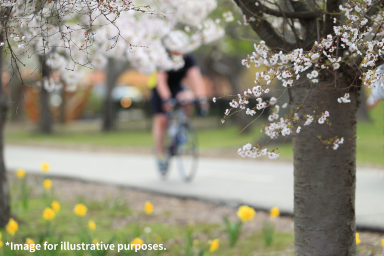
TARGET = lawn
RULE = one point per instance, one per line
(370, 145)
(225, 138)
(120, 218)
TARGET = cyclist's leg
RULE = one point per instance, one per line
(160, 122)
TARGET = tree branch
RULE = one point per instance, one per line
(292, 15)
(332, 7)
(310, 25)
(263, 28)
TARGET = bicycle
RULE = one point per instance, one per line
(181, 143)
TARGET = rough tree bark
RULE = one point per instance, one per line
(4, 192)
(46, 120)
(325, 179)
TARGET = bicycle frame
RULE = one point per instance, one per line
(182, 142)
(176, 118)
(178, 114)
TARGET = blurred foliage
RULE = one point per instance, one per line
(94, 105)
(238, 40)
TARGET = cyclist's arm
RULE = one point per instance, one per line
(162, 86)
(195, 80)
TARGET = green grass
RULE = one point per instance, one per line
(113, 139)
(370, 145)
(224, 138)
(117, 223)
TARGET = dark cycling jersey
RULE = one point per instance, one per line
(176, 76)
(174, 82)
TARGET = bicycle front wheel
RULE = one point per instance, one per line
(187, 156)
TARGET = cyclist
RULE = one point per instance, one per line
(168, 88)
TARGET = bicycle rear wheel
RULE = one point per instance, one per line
(187, 156)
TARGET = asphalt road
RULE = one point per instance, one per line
(261, 184)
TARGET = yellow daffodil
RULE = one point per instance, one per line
(158, 239)
(45, 167)
(357, 238)
(47, 184)
(12, 226)
(275, 212)
(246, 213)
(95, 241)
(55, 206)
(214, 245)
(382, 243)
(80, 210)
(91, 225)
(148, 207)
(137, 241)
(29, 242)
(1, 243)
(20, 173)
(48, 214)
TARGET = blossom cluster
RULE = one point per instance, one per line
(353, 34)
(323, 118)
(249, 151)
(337, 143)
(344, 99)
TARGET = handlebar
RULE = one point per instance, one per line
(175, 103)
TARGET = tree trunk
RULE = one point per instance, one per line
(325, 179)
(63, 105)
(46, 120)
(4, 192)
(16, 98)
(114, 69)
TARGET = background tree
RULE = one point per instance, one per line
(4, 194)
(113, 70)
(323, 53)
(4, 104)
(223, 58)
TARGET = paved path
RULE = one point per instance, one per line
(263, 184)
